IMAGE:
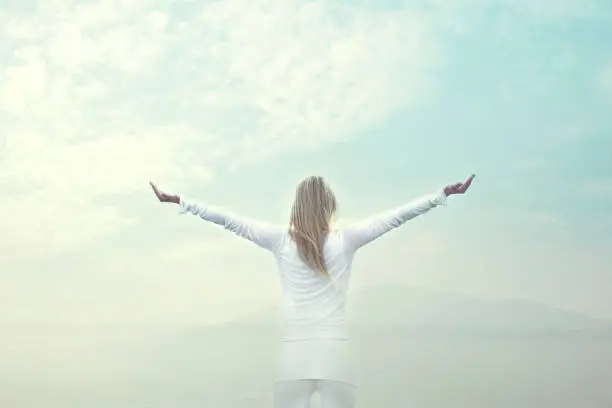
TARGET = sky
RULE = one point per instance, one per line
(232, 102)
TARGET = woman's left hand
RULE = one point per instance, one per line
(163, 197)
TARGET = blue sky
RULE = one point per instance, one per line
(232, 102)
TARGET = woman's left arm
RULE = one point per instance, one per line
(264, 235)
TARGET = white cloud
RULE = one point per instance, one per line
(103, 96)
(57, 190)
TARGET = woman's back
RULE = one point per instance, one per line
(314, 303)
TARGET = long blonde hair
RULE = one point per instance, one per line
(311, 215)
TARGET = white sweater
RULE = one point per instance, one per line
(314, 305)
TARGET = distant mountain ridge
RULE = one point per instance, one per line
(410, 307)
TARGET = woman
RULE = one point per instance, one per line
(314, 262)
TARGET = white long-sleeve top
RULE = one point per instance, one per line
(313, 304)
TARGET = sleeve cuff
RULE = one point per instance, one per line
(440, 198)
(183, 206)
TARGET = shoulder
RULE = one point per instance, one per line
(336, 237)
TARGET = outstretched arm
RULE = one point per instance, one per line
(264, 235)
(372, 228)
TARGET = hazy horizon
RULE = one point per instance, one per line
(123, 365)
(121, 368)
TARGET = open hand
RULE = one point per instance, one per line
(459, 188)
(163, 197)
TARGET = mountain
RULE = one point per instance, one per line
(418, 330)
(415, 308)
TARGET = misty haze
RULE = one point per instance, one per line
(429, 350)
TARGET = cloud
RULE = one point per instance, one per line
(102, 96)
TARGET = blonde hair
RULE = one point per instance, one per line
(311, 214)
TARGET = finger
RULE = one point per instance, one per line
(463, 188)
(468, 183)
(158, 193)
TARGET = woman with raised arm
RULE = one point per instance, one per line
(314, 262)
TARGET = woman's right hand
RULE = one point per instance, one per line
(459, 188)
(163, 197)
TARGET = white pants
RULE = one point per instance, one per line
(298, 393)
